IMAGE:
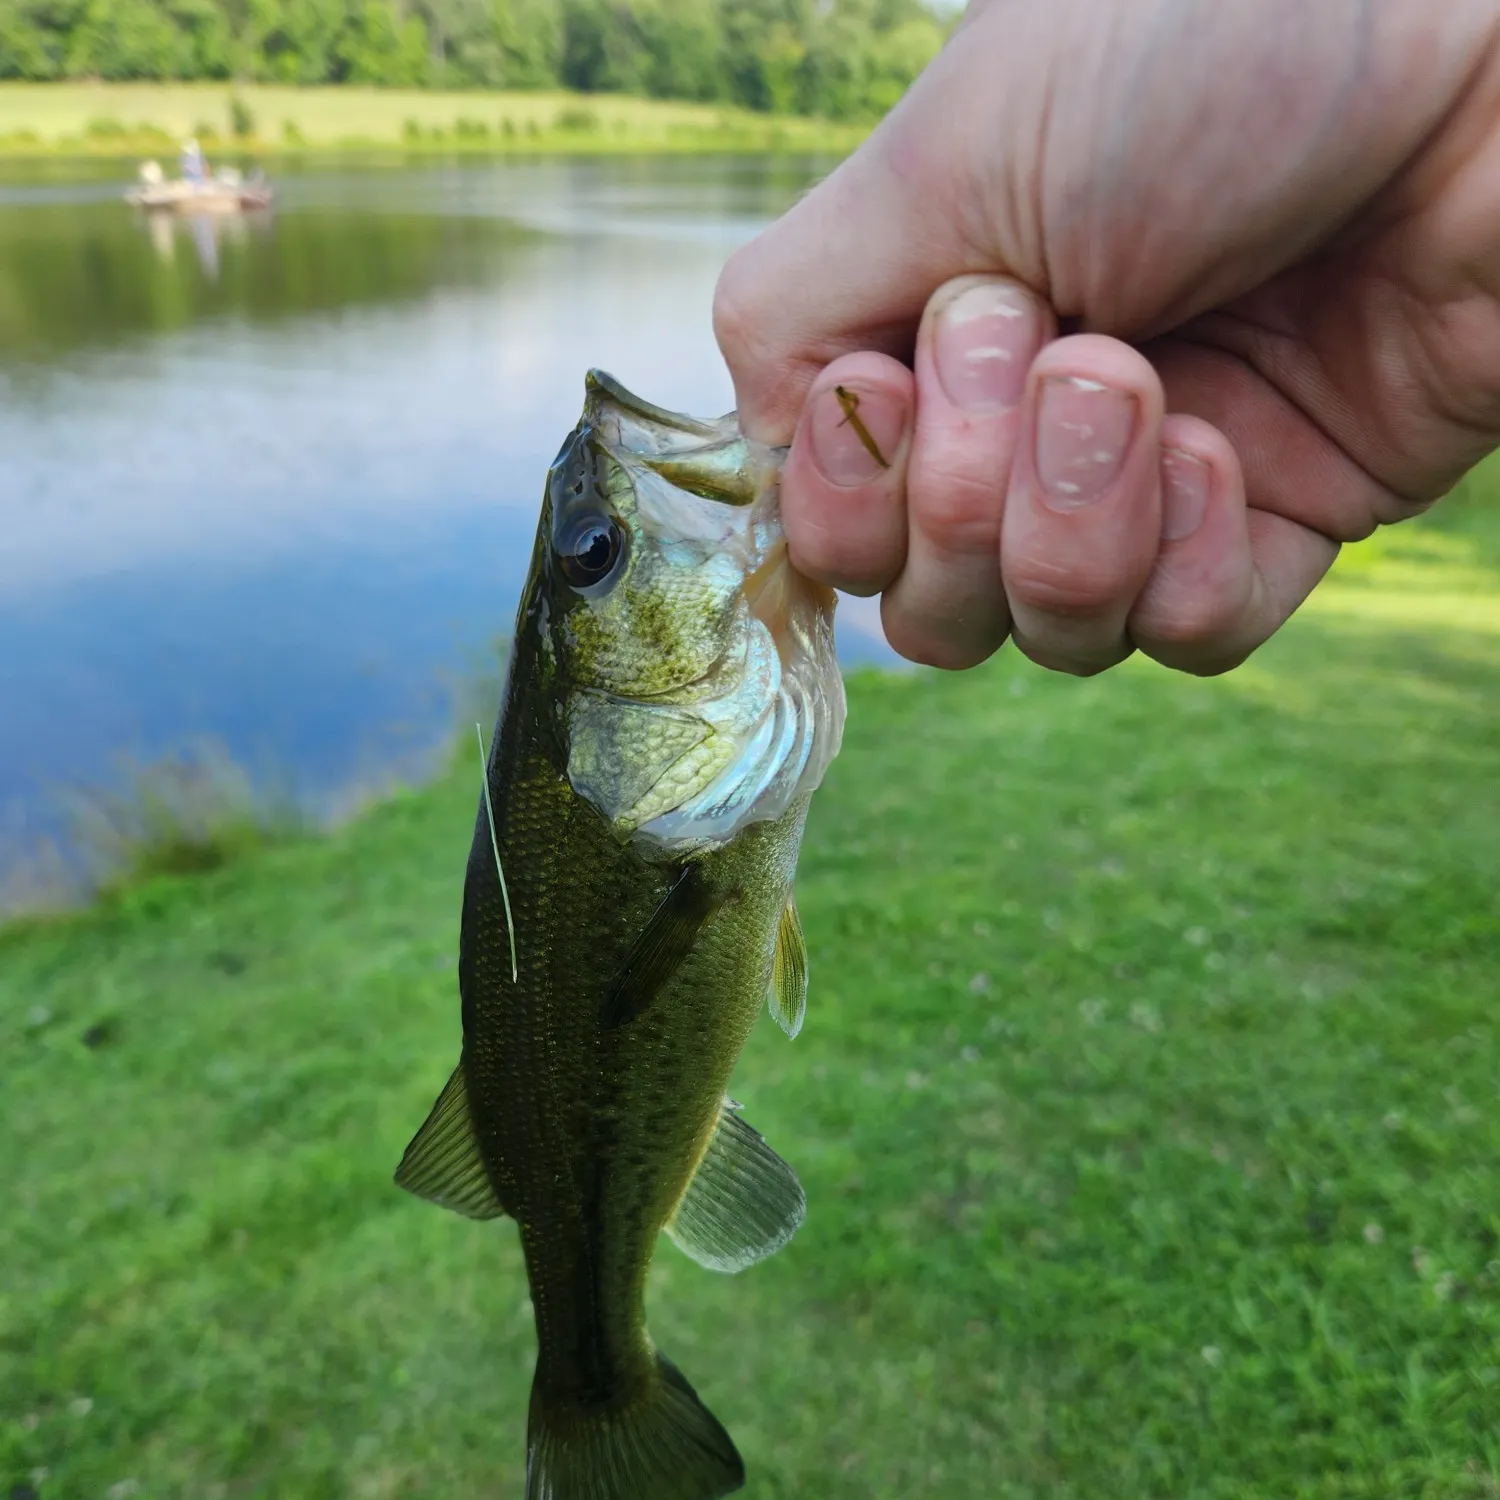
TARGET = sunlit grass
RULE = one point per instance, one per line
(1441, 571)
(1146, 1107)
(123, 119)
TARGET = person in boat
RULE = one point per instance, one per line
(194, 164)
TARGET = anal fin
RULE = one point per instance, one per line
(743, 1204)
(443, 1164)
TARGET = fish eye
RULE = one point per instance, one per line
(589, 551)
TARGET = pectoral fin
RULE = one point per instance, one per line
(443, 1164)
(743, 1204)
(658, 952)
(788, 997)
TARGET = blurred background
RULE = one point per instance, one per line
(1146, 1105)
(272, 477)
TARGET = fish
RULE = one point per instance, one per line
(672, 701)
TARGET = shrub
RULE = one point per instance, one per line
(241, 117)
(185, 813)
(576, 117)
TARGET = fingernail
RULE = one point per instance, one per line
(856, 432)
(1082, 431)
(1184, 493)
(986, 338)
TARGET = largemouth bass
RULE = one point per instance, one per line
(672, 702)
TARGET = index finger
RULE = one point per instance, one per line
(851, 266)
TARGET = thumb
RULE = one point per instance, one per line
(851, 266)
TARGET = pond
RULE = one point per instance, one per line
(271, 484)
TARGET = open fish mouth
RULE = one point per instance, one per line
(695, 761)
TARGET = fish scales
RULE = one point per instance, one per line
(672, 701)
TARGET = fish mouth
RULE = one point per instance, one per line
(709, 459)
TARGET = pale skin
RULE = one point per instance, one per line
(1270, 231)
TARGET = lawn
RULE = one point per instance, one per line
(123, 119)
(1146, 1108)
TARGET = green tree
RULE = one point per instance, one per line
(378, 45)
(603, 46)
(34, 36)
(530, 33)
(847, 58)
(121, 39)
(684, 42)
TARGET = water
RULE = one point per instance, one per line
(273, 484)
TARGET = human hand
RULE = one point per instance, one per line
(1278, 226)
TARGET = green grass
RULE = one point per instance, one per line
(1146, 1107)
(132, 119)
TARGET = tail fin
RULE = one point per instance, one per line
(662, 1444)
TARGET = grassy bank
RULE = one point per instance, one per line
(125, 120)
(1146, 1108)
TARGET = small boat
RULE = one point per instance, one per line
(225, 192)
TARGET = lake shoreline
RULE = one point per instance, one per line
(127, 121)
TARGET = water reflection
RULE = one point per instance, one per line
(274, 480)
(78, 276)
(205, 231)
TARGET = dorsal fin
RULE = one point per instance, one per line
(788, 995)
(743, 1204)
(443, 1164)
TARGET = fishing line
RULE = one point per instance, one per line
(489, 811)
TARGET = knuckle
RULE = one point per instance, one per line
(1072, 591)
(1200, 656)
(919, 642)
(1075, 659)
(957, 509)
(1197, 663)
(858, 563)
(1200, 622)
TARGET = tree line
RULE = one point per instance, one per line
(840, 58)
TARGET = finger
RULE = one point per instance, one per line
(1225, 578)
(852, 264)
(1292, 466)
(978, 338)
(1083, 514)
(843, 483)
